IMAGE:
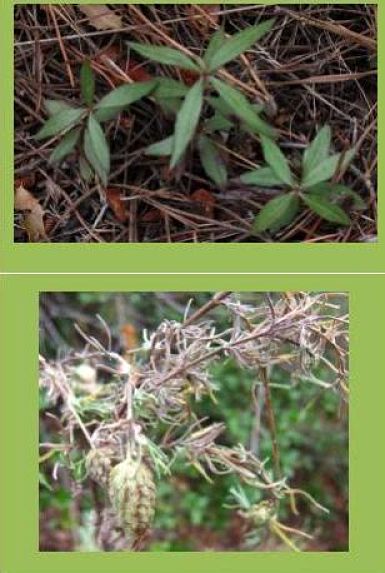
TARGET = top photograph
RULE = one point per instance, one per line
(181, 123)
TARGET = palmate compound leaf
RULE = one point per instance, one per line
(317, 151)
(212, 161)
(115, 101)
(66, 145)
(87, 82)
(322, 207)
(165, 55)
(277, 213)
(60, 122)
(264, 177)
(241, 108)
(232, 47)
(96, 149)
(187, 121)
(277, 161)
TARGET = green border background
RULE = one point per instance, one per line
(18, 421)
(163, 257)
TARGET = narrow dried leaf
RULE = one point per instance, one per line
(165, 55)
(277, 161)
(114, 200)
(87, 82)
(96, 149)
(34, 215)
(237, 44)
(66, 146)
(212, 161)
(277, 213)
(203, 25)
(322, 207)
(58, 123)
(187, 121)
(264, 177)
(161, 148)
(317, 151)
(101, 17)
(241, 108)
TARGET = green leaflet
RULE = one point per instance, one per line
(322, 207)
(237, 44)
(125, 95)
(86, 172)
(277, 161)
(317, 150)
(165, 55)
(241, 108)
(161, 148)
(87, 83)
(264, 176)
(212, 161)
(322, 171)
(59, 122)
(216, 42)
(169, 88)
(54, 106)
(218, 123)
(96, 149)
(277, 213)
(339, 191)
(187, 121)
(66, 145)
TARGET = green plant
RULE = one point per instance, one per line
(190, 105)
(314, 187)
(80, 126)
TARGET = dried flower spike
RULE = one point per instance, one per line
(132, 493)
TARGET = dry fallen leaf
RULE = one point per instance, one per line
(151, 216)
(114, 200)
(33, 216)
(101, 17)
(206, 201)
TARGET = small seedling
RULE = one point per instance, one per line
(191, 105)
(315, 187)
(80, 126)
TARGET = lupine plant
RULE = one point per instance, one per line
(204, 114)
(313, 187)
(80, 126)
(125, 422)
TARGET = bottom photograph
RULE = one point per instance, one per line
(194, 421)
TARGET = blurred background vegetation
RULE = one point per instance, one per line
(312, 429)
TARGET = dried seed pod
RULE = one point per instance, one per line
(132, 493)
(99, 465)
